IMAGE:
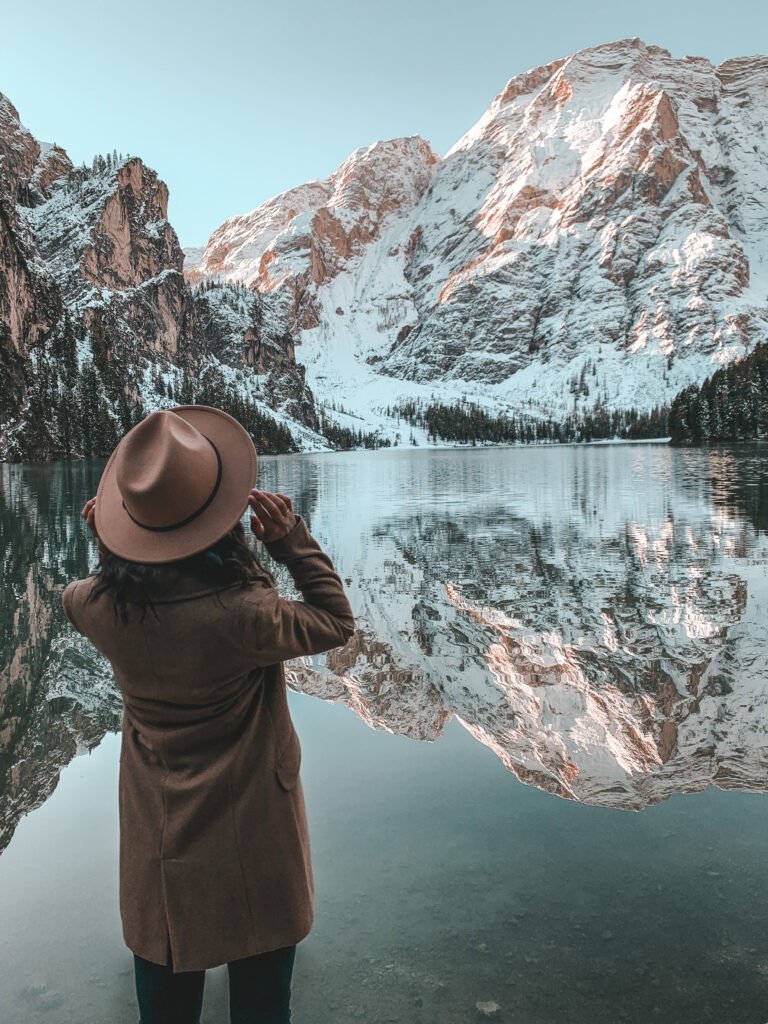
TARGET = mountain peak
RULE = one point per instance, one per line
(342, 213)
(604, 212)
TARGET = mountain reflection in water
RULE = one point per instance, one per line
(595, 616)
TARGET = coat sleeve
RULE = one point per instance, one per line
(274, 628)
(67, 600)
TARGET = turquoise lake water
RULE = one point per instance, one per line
(535, 778)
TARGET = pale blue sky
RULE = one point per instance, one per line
(232, 102)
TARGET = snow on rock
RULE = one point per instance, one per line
(598, 237)
(608, 211)
(104, 239)
(95, 245)
(306, 236)
(27, 167)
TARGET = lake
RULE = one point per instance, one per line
(535, 777)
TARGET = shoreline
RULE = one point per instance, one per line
(399, 447)
(458, 446)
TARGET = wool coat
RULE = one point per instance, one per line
(214, 844)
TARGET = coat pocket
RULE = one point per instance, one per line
(289, 762)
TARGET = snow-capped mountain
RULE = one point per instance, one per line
(595, 243)
(92, 290)
(607, 216)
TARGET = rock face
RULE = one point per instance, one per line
(28, 167)
(607, 215)
(27, 300)
(105, 240)
(299, 240)
(323, 223)
(90, 266)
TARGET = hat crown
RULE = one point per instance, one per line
(166, 470)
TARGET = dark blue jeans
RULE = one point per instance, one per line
(259, 990)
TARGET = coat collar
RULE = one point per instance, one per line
(183, 587)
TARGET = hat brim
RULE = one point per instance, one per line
(126, 539)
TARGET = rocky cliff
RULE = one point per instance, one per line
(599, 237)
(97, 323)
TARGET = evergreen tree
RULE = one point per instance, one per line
(730, 405)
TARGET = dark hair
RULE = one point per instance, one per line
(228, 560)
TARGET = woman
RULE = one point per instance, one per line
(214, 847)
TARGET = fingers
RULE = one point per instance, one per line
(275, 511)
(89, 515)
(273, 508)
(266, 499)
(257, 526)
(275, 505)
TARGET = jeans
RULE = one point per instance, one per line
(259, 990)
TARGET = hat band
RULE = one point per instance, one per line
(196, 513)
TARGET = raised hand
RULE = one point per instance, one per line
(272, 515)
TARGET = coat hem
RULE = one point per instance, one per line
(209, 963)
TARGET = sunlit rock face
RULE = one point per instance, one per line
(321, 225)
(607, 215)
(291, 246)
(27, 300)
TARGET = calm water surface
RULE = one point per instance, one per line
(535, 776)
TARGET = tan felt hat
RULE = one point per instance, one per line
(176, 483)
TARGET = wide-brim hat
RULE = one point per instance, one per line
(176, 483)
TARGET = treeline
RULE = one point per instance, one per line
(79, 406)
(345, 439)
(731, 405)
(214, 284)
(75, 408)
(101, 163)
(86, 179)
(82, 408)
(466, 422)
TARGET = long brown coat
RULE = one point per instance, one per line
(214, 844)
